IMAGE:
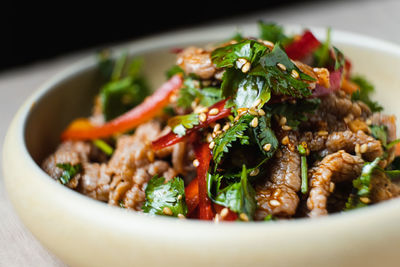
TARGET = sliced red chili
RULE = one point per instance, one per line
(192, 195)
(203, 155)
(171, 138)
(302, 47)
(145, 111)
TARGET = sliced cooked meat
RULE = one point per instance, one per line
(95, 182)
(194, 60)
(334, 168)
(382, 188)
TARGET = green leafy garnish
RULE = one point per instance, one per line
(364, 93)
(269, 218)
(103, 146)
(322, 54)
(206, 96)
(379, 132)
(175, 69)
(304, 168)
(161, 195)
(237, 196)
(362, 186)
(69, 171)
(179, 124)
(126, 89)
(235, 133)
(273, 33)
(264, 135)
(295, 113)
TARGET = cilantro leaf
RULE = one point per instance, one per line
(379, 132)
(364, 94)
(206, 96)
(281, 81)
(236, 132)
(322, 54)
(362, 186)
(228, 56)
(175, 69)
(295, 113)
(265, 135)
(69, 171)
(160, 195)
(273, 33)
(179, 124)
(126, 89)
(237, 196)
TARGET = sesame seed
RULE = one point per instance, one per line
(226, 127)
(363, 148)
(217, 127)
(268, 44)
(217, 218)
(368, 121)
(286, 128)
(246, 67)
(277, 193)
(218, 133)
(202, 117)
(209, 138)
(181, 216)
(237, 118)
(261, 112)
(244, 217)
(285, 140)
(365, 200)
(173, 98)
(294, 74)
(281, 66)
(254, 122)
(357, 149)
(242, 61)
(201, 109)
(212, 144)
(213, 111)
(274, 203)
(256, 103)
(267, 147)
(331, 187)
(167, 211)
(282, 120)
(242, 111)
(255, 172)
(253, 112)
(224, 212)
(196, 163)
(322, 133)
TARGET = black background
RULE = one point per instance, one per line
(33, 32)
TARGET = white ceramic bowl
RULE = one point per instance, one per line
(84, 232)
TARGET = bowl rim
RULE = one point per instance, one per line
(169, 40)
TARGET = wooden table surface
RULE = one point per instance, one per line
(17, 245)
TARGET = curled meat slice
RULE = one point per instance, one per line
(382, 188)
(336, 167)
(194, 60)
(278, 196)
(275, 199)
(359, 142)
(95, 182)
(72, 152)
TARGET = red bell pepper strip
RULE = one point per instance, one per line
(192, 195)
(171, 138)
(231, 216)
(203, 155)
(145, 111)
(302, 47)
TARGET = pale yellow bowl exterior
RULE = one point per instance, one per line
(84, 232)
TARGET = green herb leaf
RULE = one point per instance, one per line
(362, 185)
(295, 113)
(69, 171)
(273, 33)
(227, 56)
(379, 132)
(237, 196)
(269, 218)
(322, 54)
(365, 92)
(235, 133)
(160, 195)
(265, 135)
(179, 124)
(175, 69)
(281, 81)
(206, 96)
